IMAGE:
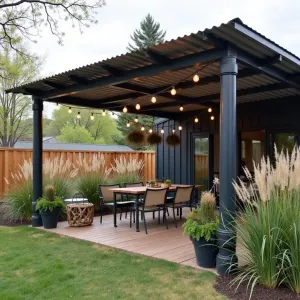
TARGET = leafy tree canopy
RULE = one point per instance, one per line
(147, 36)
(101, 130)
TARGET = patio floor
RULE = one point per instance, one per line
(160, 243)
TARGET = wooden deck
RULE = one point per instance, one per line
(160, 243)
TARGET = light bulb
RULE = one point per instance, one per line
(125, 110)
(196, 77)
(128, 124)
(150, 130)
(173, 130)
(212, 118)
(92, 116)
(70, 110)
(136, 119)
(173, 91)
(78, 115)
(162, 131)
(115, 116)
(137, 107)
(181, 108)
(143, 128)
(153, 99)
(196, 120)
(180, 127)
(209, 110)
(104, 113)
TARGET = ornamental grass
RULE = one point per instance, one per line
(269, 226)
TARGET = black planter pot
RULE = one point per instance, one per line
(206, 252)
(50, 218)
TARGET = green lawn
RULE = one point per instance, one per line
(38, 265)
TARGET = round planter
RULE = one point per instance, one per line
(206, 252)
(50, 218)
(169, 184)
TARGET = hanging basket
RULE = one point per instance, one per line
(136, 137)
(154, 138)
(173, 139)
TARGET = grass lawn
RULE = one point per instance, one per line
(38, 265)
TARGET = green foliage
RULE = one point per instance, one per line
(43, 204)
(15, 108)
(70, 129)
(168, 181)
(49, 193)
(201, 223)
(151, 181)
(148, 35)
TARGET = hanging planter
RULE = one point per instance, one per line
(136, 137)
(173, 139)
(154, 138)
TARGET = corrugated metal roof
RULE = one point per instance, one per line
(186, 45)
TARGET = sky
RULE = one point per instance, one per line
(278, 20)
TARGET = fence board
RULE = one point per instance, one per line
(11, 158)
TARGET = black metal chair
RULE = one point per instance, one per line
(183, 197)
(154, 200)
(133, 184)
(107, 199)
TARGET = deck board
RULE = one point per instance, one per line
(160, 243)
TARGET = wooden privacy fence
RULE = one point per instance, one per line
(11, 158)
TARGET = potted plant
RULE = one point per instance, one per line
(152, 183)
(49, 207)
(168, 182)
(202, 227)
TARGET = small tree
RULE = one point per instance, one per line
(147, 36)
(15, 108)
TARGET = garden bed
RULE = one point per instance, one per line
(223, 286)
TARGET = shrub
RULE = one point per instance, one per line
(50, 201)
(203, 222)
(18, 199)
(269, 227)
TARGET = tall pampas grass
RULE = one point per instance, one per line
(269, 226)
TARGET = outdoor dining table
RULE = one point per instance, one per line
(138, 192)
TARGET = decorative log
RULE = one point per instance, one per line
(80, 215)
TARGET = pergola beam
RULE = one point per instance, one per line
(156, 57)
(78, 79)
(53, 84)
(185, 61)
(112, 70)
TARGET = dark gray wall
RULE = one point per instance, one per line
(272, 116)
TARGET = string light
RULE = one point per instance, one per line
(104, 113)
(196, 120)
(181, 108)
(137, 107)
(92, 116)
(70, 110)
(209, 110)
(125, 110)
(153, 99)
(114, 115)
(196, 77)
(180, 127)
(212, 118)
(78, 115)
(162, 131)
(136, 119)
(173, 131)
(150, 130)
(173, 91)
(143, 128)
(128, 124)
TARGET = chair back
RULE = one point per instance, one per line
(106, 195)
(135, 184)
(183, 194)
(155, 197)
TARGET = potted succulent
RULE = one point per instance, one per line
(168, 182)
(202, 228)
(49, 207)
(152, 183)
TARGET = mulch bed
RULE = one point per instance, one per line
(223, 286)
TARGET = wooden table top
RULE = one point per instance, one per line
(140, 190)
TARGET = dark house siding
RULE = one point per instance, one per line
(271, 116)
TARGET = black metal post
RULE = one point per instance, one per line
(37, 108)
(228, 163)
